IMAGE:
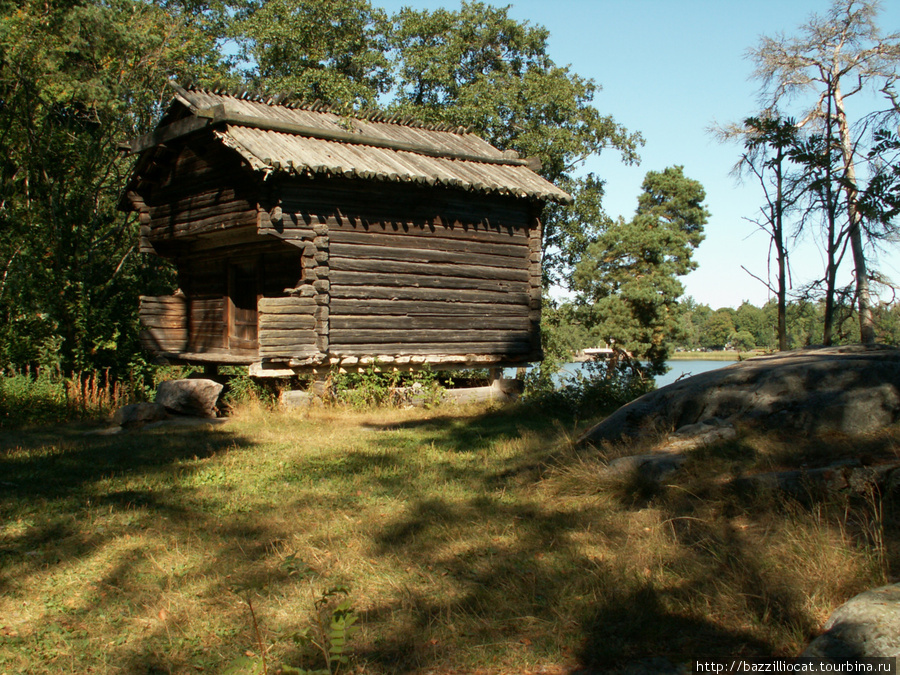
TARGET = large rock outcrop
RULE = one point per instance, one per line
(867, 625)
(853, 389)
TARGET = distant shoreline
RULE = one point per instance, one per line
(725, 355)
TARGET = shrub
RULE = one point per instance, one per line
(375, 387)
(599, 387)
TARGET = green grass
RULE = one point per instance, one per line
(472, 540)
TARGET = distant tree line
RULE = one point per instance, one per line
(698, 327)
(749, 327)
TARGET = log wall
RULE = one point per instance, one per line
(206, 321)
(165, 323)
(201, 189)
(347, 270)
(287, 329)
(404, 274)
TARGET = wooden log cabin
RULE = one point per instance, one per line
(304, 240)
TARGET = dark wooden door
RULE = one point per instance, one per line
(243, 293)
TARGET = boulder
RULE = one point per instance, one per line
(867, 625)
(196, 398)
(296, 399)
(650, 467)
(138, 414)
(853, 389)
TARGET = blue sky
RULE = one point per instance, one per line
(671, 69)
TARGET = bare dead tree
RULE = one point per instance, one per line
(832, 58)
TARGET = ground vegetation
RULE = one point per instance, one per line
(453, 539)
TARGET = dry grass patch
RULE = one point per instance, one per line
(470, 539)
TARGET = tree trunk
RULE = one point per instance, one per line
(851, 191)
(780, 253)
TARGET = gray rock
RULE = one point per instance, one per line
(867, 625)
(691, 436)
(138, 414)
(196, 398)
(832, 478)
(853, 389)
(296, 399)
(652, 466)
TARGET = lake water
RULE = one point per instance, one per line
(676, 369)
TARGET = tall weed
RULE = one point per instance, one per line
(43, 396)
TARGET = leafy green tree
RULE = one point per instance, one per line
(717, 330)
(690, 321)
(628, 277)
(887, 319)
(332, 51)
(479, 68)
(804, 323)
(755, 321)
(76, 78)
(742, 341)
(563, 334)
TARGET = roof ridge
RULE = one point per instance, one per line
(293, 102)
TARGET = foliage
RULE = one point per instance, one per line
(241, 388)
(742, 341)
(480, 69)
(335, 625)
(717, 329)
(704, 328)
(44, 397)
(474, 68)
(75, 80)
(379, 386)
(628, 275)
(600, 387)
(330, 51)
(880, 202)
(768, 144)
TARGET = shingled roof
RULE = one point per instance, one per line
(313, 140)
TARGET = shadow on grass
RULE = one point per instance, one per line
(54, 465)
(636, 626)
(491, 565)
(118, 575)
(625, 620)
(457, 434)
(508, 590)
(48, 477)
